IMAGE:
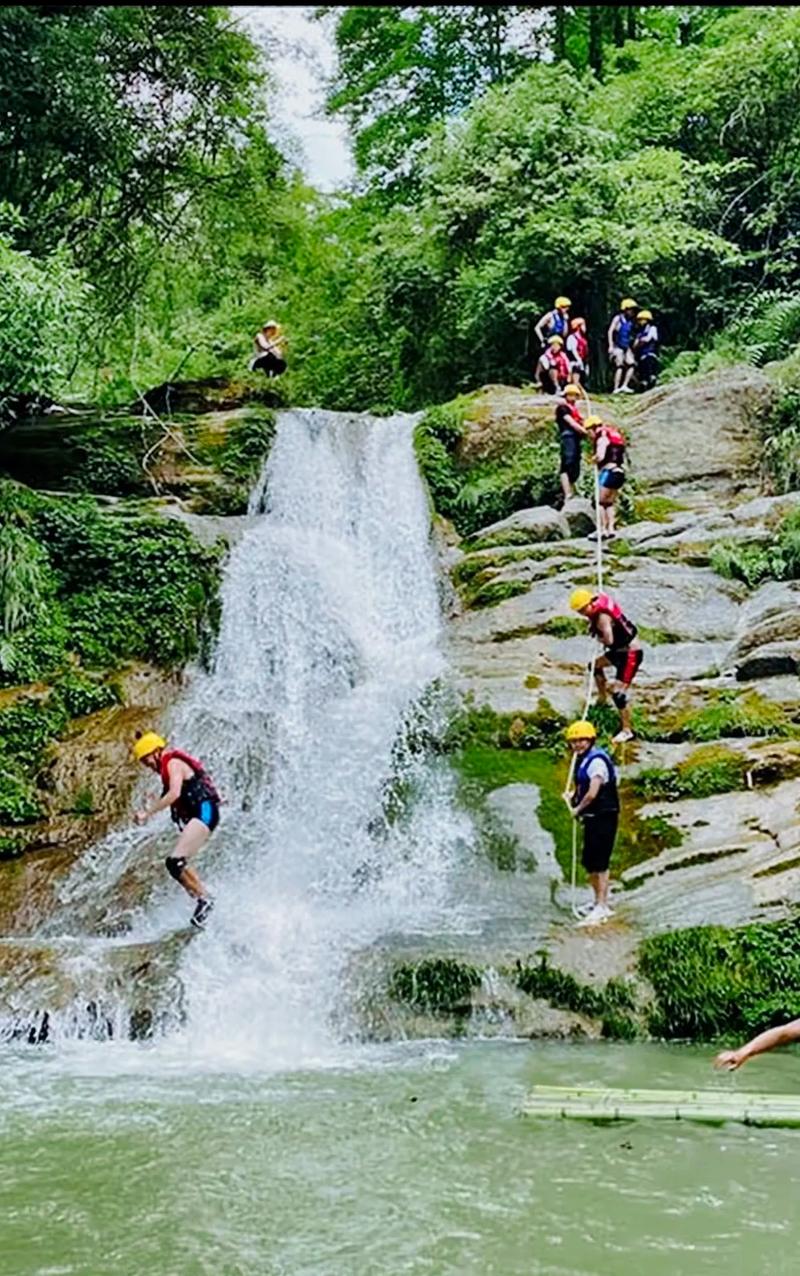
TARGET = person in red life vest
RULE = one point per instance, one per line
(552, 370)
(555, 323)
(193, 802)
(571, 430)
(622, 653)
(609, 457)
(595, 802)
(577, 351)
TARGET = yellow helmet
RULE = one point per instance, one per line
(561, 302)
(628, 303)
(554, 341)
(580, 598)
(581, 730)
(147, 744)
(645, 314)
(591, 421)
(571, 390)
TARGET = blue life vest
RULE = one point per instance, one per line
(624, 334)
(647, 340)
(607, 800)
(557, 324)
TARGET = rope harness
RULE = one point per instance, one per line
(589, 684)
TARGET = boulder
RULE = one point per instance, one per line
(773, 659)
(542, 523)
(579, 513)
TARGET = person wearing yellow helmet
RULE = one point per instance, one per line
(188, 792)
(552, 370)
(621, 651)
(571, 430)
(577, 351)
(595, 802)
(609, 457)
(645, 350)
(555, 323)
(621, 332)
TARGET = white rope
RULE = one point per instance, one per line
(567, 794)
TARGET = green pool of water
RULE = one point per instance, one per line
(413, 1159)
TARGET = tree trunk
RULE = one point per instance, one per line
(632, 15)
(618, 27)
(596, 40)
(560, 34)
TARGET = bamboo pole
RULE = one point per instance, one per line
(712, 1106)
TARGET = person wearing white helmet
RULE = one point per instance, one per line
(269, 350)
(595, 802)
(621, 332)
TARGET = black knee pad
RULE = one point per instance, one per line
(619, 698)
(175, 866)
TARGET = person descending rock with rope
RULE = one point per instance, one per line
(622, 653)
(571, 430)
(609, 457)
(595, 802)
(193, 802)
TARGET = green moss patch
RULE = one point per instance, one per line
(704, 773)
(709, 981)
(613, 1003)
(655, 509)
(440, 984)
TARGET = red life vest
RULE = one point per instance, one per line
(199, 789)
(615, 452)
(581, 345)
(624, 630)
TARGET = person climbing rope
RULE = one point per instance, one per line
(552, 370)
(645, 350)
(783, 1035)
(193, 802)
(571, 430)
(595, 802)
(622, 653)
(621, 332)
(555, 323)
(609, 457)
(577, 351)
(269, 350)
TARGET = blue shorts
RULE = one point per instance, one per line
(208, 814)
(612, 479)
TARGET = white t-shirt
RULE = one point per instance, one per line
(598, 769)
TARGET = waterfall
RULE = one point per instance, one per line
(329, 639)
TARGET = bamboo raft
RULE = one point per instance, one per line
(710, 1106)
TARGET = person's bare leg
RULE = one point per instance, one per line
(600, 681)
(617, 376)
(191, 840)
(599, 884)
(566, 486)
(629, 370)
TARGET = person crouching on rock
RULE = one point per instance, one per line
(595, 802)
(571, 430)
(577, 351)
(269, 348)
(622, 653)
(609, 457)
(552, 370)
(193, 802)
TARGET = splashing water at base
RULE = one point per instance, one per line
(329, 637)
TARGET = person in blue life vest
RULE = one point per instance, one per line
(621, 332)
(645, 350)
(555, 323)
(595, 802)
(193, 802)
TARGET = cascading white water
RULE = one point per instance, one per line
(329, 636)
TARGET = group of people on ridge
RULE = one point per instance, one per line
(632, 341)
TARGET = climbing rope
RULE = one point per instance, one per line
(589, 684)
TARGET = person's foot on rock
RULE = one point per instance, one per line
(622, 737)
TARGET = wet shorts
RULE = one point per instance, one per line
(612, 479)
(207, 812)
(599, 832)
(570, 454)
(626, 664)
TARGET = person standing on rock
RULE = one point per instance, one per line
(595, 802)
(609, 457)
(193, 802)
(269, 350)
(645, 350)
(571, 430)
(577, 350)
(783, 1035)
(552, 370)
(622, 653)
(555, 323)
(621, 332)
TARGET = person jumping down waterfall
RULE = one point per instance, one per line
(193, 802)
(595, 802)
(622, 653)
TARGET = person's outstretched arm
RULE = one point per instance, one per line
(782, 1036)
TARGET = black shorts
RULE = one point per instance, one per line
(271, 364)
(626, 664)
(207, 812)
(613, 479)
(570, 455)
(599, 832)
